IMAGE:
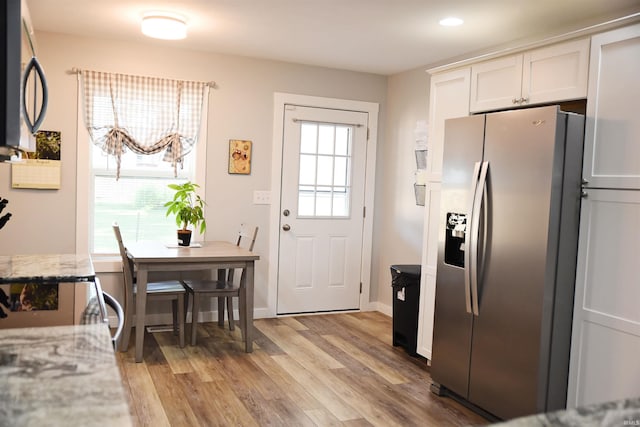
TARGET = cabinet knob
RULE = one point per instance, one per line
(523, 101)
(514, 101)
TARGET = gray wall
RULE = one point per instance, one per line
(399, 222)
(240, 108)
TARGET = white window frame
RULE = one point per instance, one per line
(111, 263)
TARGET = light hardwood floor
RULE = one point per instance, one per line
(324, 370)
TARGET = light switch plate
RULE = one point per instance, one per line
(262, 197)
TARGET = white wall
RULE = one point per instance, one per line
(240, 108)
(399, 221)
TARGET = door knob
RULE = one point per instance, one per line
(286, 227)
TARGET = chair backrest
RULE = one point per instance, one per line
(246, 234)
(127, 268)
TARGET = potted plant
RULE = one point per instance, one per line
(188, 208)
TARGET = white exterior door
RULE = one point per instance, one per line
(321, 211)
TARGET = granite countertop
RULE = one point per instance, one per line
(620, 413)
(62, 375)
(46, 268)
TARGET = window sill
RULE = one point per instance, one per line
(104, 263)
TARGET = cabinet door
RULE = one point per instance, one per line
(448, 98)
(496, 84)
(605, 340)
(428, 276)
(612, 133)
(556, 73)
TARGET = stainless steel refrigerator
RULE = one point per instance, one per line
(506, 263)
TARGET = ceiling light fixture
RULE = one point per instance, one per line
(166, 26)
(451, 22)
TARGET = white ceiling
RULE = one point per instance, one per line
(377, 36)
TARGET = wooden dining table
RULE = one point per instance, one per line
(155, 256)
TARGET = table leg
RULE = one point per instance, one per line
(247, 322)
(141, 309)
(222, 277)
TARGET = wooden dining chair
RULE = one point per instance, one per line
(225, 289)
(168, 290)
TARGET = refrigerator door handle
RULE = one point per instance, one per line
(467, 245)
(475, 231)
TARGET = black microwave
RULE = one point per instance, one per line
(23, 87)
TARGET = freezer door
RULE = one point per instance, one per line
(525, 151)
(452, 322)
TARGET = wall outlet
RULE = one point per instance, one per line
(262, 197)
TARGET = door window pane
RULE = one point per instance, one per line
(326, 139)
(340, 204)
(307, 169)
(323, 201)
(308, 137)
(342, 140)
(340, 171)
(325, 169)
(306, 200)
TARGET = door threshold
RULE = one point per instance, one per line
(311, 313)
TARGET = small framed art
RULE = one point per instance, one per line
(240, 156)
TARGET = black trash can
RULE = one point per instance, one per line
(405, 282)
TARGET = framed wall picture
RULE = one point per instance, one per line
(48, 145)
(240, 156)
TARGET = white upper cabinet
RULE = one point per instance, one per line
(448, 98)
(612, 132)
(554, 73)
(496, 84)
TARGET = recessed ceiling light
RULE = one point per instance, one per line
(166, 26)
(451, 22)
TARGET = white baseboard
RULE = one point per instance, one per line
(212, 316)
(205, 316)
(383, 308)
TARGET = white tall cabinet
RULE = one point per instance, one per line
(449, 97)
(606, 328)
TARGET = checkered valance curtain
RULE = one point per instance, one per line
(144, 114)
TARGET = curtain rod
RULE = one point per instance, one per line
(75, 70)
